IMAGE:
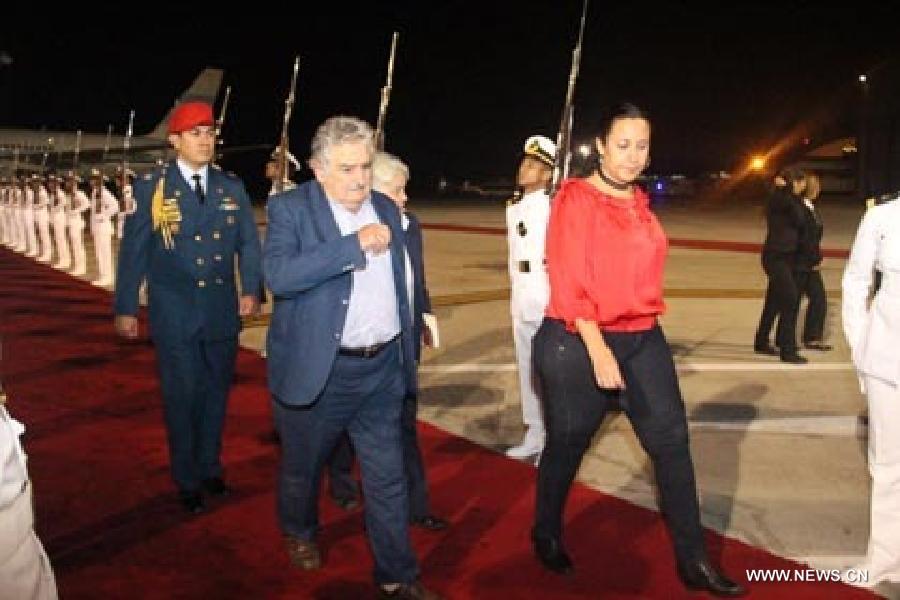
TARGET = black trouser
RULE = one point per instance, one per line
(782, 297)
(342, 485)
(574, 408)
(810, 285)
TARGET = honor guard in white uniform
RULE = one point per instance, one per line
(4, 212)
(24, 566)
(31, 239)
(872, 328)
(78, 204)
(19, 199)
(104, 208)
(58, 218)
(42, 218)
(526, 223)
(128, 205)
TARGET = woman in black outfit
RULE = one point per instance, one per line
(809, 278)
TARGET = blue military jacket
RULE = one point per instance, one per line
(308, 266)
(191, 287)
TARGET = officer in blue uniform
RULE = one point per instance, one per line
(191, 221)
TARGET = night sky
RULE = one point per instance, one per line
(472, 79)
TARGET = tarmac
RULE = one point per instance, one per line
(779, 450)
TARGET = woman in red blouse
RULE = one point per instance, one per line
(605, 257)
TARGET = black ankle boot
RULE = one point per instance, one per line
(703, 576)
(552, 555)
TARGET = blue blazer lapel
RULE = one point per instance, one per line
(323, 218)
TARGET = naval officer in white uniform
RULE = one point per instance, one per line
(526, 223)
(873, 332)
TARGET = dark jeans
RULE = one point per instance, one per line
(195, 377)
(362, 396)
(574, 408)
(342, 485)
(810, 285)
(782, 298)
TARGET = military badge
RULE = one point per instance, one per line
(229, 204)
(230, 219)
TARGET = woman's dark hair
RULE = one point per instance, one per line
(623, 110)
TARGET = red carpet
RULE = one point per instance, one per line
(106, 509)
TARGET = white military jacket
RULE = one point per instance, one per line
(873, 330)
(526, 232)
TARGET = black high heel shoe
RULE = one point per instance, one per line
(552, 555)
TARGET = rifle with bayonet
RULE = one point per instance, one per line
(107, 144)
(385, 96)
(220, 122)
(76, 152)
(283, 146)
(564, 137)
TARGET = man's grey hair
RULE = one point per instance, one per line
(384, 167)
(339, 130)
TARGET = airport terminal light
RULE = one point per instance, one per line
(758, 163)
(862, 78)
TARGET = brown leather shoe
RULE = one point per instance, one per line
(410, 591)
(303, 554)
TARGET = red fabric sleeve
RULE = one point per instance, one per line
(568, 239)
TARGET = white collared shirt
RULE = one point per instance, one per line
(372, 316)
(188, 173)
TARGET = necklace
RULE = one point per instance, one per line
(616, 185)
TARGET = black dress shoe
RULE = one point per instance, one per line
(192, 502)
(216, 487)
(820, 346)
(552, 555)
(793, 358)
(703, 576)
(430, 522)
(765, 349)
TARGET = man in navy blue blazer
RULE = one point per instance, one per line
(341, 348)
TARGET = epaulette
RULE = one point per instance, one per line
(517, 195)
(885, 198)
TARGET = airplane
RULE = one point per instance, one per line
(39, 149)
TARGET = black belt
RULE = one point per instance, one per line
(367, 351)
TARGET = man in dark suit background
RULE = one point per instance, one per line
(341, 348)
(785, 222)
(191, 220)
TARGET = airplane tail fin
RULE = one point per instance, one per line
(205, 87)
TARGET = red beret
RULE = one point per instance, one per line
(188, 115)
